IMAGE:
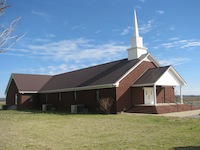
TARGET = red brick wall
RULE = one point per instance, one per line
(169, 94)
(160, 94)
(123, 92)
(64, 103)
(87, 98)
(53, 99)
(24, 102)
(67, 99)
(137, 95)
(10, 97)
(165, 95)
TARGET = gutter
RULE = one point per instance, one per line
(80, 88)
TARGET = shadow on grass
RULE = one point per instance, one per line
(187, 148)
(45, 112)
(58, 112)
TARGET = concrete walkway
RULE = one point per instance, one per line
(188, 114)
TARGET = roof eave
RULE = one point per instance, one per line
(178, 76)
(141, 85)
(26, 92)
(80, 88)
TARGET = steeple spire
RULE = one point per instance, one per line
(137, 49)
(136, 32)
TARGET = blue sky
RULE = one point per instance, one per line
(66, 35)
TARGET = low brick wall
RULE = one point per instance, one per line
(161, 109)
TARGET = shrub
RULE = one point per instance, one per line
(105, 105)
(4, 107)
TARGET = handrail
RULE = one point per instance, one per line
(190, 103)
(169, 100)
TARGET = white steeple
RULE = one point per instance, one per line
(137, 49)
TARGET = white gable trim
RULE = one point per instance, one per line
(170, 77)
(8, 85)
(148, 57)
(152, 59)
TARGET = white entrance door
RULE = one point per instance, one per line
(148, 96)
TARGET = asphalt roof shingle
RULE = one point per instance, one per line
(30, 82)
(151, 75)
(98, 75)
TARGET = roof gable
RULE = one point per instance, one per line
(151, 75)
(28, 83)
(145, 57)
(165, 76)
(170, 77)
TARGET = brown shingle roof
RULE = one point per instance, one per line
(151, 75)
(29, 82)
(107, 73)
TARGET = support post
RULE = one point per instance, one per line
(181, 95)
(155, 95)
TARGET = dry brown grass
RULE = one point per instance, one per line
(36, 130)
(195, 100)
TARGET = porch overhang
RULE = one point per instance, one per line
(162, 76)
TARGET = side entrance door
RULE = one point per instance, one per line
(148, 96)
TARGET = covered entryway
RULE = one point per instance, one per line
(155, 78)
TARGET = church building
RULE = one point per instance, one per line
(136, 84)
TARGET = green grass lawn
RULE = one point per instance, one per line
(42, 131)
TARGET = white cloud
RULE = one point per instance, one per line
(143, 1)
(171, 28)
(52, 70)
(126, 30)
(173, 61)
(146, 27)
(41, 40)
(98, 31)
(47, 37)
(173, 38)
(50, 35)
(41, 14)
(160, 12)
(80, 26)
(70, 54)
(177, 43)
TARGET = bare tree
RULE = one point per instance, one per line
(7, 39)
(105, 105)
